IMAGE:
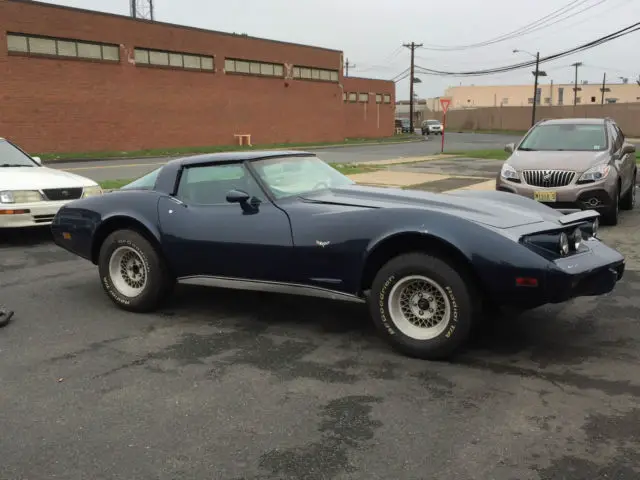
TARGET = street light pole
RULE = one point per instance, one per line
(535, 90)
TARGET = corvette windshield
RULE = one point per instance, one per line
(571, 137)
(10, 156)
(289, 176)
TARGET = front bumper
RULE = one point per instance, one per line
(592, 273)
(28, 214)
(591, 196)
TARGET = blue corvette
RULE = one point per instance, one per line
(426, 264)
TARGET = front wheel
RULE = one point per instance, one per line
(612, 214)
(132, 272)
(422, 305)
(629, 200)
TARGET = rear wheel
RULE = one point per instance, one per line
(629, 200)
(422, 306)
(133, 274)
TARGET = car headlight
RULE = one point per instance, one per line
(20, 196)
(92, 191)
(508, 172)
(591, 229)
(576, 238)
(595, 174)
(563, 245)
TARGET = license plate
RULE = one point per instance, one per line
(544, 196)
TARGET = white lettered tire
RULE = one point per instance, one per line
(132, 272)
(422, 305)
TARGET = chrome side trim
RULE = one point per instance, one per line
(266, 286)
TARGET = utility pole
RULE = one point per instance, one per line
(575, 87)
(412, 46)
(551, 94)
(603, 89)
(347, 65)
(535, 89)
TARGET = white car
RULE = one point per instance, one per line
(431, 126)
(30, 194)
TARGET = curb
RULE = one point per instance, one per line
(172, 156)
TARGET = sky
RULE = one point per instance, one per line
(371, 34)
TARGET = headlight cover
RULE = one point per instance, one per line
(92, 191)
(20, 196)
(563, 244)
(508, 172)
(576, 238)
(595, 174)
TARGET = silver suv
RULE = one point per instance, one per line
(573, 164)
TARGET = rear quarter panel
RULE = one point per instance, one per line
(86, 219)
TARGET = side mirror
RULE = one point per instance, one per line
(38, 160)
(628, 148)
(238, 196)
(247, 203)
(509, 147)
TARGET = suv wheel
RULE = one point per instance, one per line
(610, 216)
(629, 199)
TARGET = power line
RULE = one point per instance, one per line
(594, 43)
(541, 23)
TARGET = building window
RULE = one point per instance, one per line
(319, 74)
(612, 100)
(560, 95)
(353, 97)
(344, 96)
(505, 101)
(250, 67)
(593, 99)
(161, 58)
(579, 100)
(387, 98)
(363, 97)
(59, 47)
(378, 98)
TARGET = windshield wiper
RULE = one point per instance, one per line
(13, 165)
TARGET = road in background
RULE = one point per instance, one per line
(132, 168)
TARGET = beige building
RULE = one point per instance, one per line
(548, 94)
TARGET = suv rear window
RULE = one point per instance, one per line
(570, 136)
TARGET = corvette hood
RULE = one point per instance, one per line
(493, 213)
(38, 178)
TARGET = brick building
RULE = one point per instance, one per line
(74, 80)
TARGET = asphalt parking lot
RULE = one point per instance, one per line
(232, 385)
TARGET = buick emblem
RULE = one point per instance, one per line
(546, 176)
(64, 193)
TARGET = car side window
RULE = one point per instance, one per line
(209, 185)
